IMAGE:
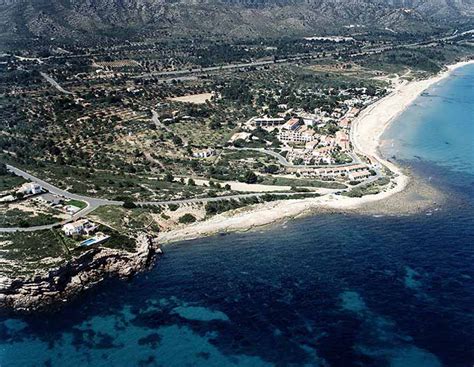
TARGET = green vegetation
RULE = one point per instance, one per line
(425, 60)
(284, 181)
(127, 220)
(26, 252)
(129, 204)
(221, 206)
(370, 189)
(9, 182)
(77, 203)
(187, 218)
(19, 218)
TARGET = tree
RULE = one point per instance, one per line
(272, 168)
(215, 125)
(250, 177)
(129, 204)
(187, 218)
(3, 169)
(169, 177)
(177, 140)
(239, 143)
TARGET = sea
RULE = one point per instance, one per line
(326, 290)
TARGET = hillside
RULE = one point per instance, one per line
(98, 19)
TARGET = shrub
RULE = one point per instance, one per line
(272, 168)
(173, 207)
(129, 204)
(250, 177)
(169, 177)
(187, 218)
(3, 169)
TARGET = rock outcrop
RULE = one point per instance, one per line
(57, 286)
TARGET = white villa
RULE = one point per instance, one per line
(79, 227)
(30, 188)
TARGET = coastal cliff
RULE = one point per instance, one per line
(59, 285)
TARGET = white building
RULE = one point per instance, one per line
(361, 175)
(30, 188)
(301, 135)
(267, 121)
(79, 227)
(342, 139)
(204, 153)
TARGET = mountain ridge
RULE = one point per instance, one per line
(233, 18)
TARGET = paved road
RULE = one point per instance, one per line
(156, 120)
(55, 84)
(94, 203)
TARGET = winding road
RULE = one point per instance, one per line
(55, 84)
(94, 203)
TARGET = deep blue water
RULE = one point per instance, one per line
(328, 290)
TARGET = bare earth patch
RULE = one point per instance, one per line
(194, 98)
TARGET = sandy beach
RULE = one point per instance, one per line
(366, 132)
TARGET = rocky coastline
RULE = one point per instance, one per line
(57, 286)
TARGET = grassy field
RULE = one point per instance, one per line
(76, 203)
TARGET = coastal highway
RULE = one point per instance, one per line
(290, 59)
(94, 203)
(89, 208)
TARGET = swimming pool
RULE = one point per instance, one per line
(89, 242)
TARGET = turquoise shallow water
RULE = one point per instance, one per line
(439, 126)
(329, 290)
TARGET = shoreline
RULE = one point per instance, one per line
(49, 289)
(366, 132)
